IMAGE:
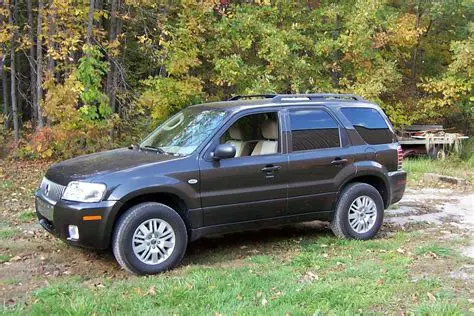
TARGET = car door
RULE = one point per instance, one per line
(244, 188)
(319, 160)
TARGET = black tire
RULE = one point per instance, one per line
(130, 221)
(340, 223)
(437, 153)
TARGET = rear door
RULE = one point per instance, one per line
(319, 160)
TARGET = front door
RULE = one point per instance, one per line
(253, 185)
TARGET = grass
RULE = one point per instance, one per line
(27, 216)
(325, 276)
(453, 166)
(296, 271)
(433, 249)
(4, 258)
(7, 232)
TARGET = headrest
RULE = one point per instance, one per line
(270, 129)
(236, 133)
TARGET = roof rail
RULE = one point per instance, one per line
(315, 96)
(251, 96)
(299, 97)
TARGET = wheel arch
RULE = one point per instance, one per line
(377, 181)
(169, 199)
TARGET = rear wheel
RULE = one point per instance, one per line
(149, 238)
(359, 212)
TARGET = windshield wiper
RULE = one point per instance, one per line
(155, 149)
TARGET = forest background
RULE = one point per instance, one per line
(81, 76)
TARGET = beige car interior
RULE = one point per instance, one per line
(266, 144)
(269, 145)
(242, 148)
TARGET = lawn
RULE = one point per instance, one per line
(296, 270)
(452, 166)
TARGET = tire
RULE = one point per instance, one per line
(127, 252)
(437, 153)
(358, 193)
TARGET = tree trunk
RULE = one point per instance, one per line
(5, 91)
(51, 32)
(11, 21)
(32, 62)
(39, 63)
(90, 22)
(111, 75)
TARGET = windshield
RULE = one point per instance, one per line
(185, 131)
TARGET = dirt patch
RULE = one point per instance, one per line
(434, 206)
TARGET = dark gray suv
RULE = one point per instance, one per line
(246, 163)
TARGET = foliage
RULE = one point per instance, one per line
(89, 73)
(78, 112)
(412, 57)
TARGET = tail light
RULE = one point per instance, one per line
(400, 157)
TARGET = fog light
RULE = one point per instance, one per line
(73, 232)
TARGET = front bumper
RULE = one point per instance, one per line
(92, 233)
(398, 182)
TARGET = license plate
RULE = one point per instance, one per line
(45, 209)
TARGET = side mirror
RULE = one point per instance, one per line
(224, 151)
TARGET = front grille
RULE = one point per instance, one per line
(51, 190)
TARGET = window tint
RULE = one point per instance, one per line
(370, 125)
(313, 129)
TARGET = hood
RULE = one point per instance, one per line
(98, 164)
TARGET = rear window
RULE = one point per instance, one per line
(313, 129)
(370, 125)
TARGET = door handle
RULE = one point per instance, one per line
(339, 161)
(271, 168)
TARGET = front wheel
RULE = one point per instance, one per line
(359, 212)
(149, 238)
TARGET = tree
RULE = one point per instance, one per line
(90, 22)
(39, 62)
(32, 60)
(3, 55)
(13, 88)
(5, 89)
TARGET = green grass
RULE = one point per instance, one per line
(436, 249)
(7, 233)
(5, 184)
(27, 216)
(4, 258)
(417, 167)
(325, 276)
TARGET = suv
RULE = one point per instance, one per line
(246, 163)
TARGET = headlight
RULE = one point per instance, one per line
(84, 192)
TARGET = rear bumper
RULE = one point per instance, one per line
(92, 233)
(398, 182)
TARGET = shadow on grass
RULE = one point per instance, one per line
(219, 249)
(268, 241)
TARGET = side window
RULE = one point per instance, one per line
(313, 129)
(370, 125)
(254, 135)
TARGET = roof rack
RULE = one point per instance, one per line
(299, 97)
(252, 96)
(315, 96)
